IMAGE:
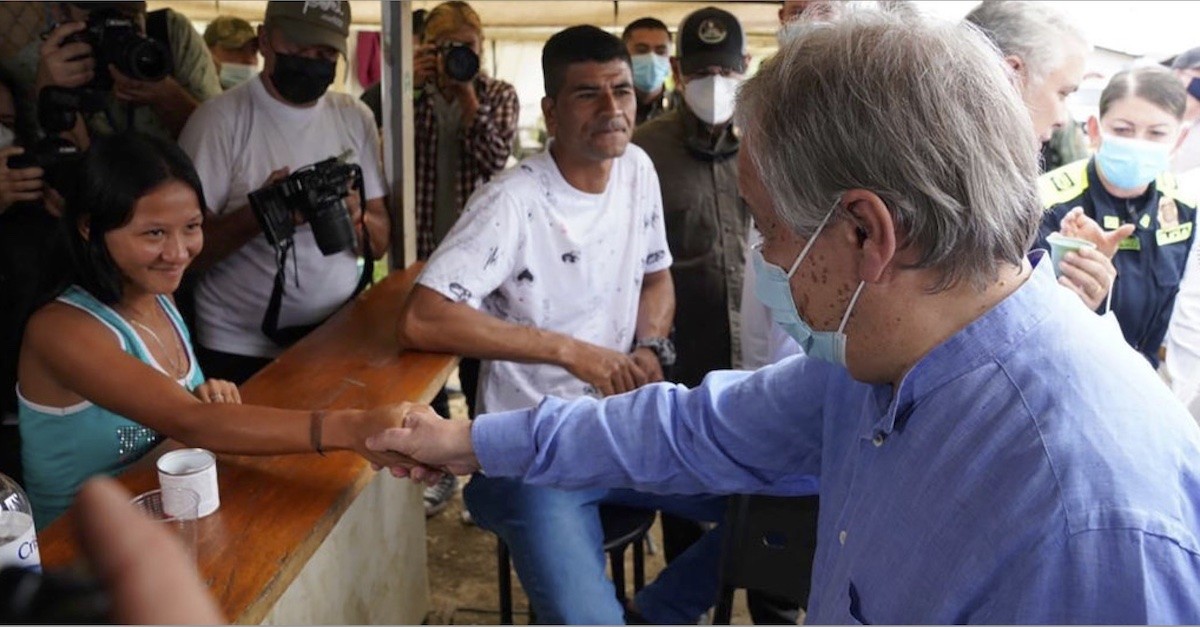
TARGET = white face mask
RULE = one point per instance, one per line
(233, 74)
(712, 98)
(7, 137)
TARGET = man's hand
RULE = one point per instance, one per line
(647, 360)
(608, 371)
(65, 65)
(163, 93)
(148, 574)
(20, 185)
(1088, 273)
(425, 64)
(218, 391)
(428, 445)
(1078, 225)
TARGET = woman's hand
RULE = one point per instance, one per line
(1077, 224)
(218, 391)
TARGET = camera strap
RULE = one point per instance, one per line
(287, 336)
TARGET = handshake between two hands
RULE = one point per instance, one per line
(421, 445)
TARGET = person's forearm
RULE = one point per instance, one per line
(224, 234)
(656, 308)
(379, 227)
(430, 322)
(255, 430)
(176, 109)
(660, 438)
(489, 138)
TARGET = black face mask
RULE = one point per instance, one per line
(301, 80)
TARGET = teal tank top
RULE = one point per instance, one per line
(61, 447)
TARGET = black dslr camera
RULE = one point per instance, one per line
(318, 192)
(115, 40)
(459, 61)
(57, 157)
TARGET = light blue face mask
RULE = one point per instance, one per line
(649, 71)
(773, 286)
(1132, 163)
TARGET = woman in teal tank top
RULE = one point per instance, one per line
(106, 367)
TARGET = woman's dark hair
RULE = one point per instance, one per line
(1154, 84)
(114, 173)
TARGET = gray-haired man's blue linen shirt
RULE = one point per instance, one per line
(1031, 469)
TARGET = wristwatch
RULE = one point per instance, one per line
(662, 347)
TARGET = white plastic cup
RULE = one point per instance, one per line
(193, 469)
(1060, 245)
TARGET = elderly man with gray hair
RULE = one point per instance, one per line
(989, 450)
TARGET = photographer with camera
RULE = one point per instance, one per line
(276, 269)
(145, 72)
(465, 120)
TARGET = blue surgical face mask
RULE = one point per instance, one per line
(773, 286)
(1131, 163)
(1193, 88)
(649, 71)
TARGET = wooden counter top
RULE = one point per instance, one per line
(276, 511)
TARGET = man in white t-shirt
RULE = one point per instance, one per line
(557, 276)
(252, 136)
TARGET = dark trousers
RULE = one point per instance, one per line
(468, 376)
(227, 366)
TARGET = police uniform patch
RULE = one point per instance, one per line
(1165, 237)
(1145, 221)
(1112, 223)
(1168, 213)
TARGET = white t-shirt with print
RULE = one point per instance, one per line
(236, 140)
(532, 250)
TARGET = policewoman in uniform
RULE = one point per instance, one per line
(1127, 183)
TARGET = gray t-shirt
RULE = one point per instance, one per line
(449, 153)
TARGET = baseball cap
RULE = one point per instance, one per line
(711, 36)
(312, 22)
(228, 32)
(1187, 60)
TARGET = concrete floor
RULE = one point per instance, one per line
(462, 566)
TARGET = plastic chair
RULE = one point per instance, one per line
(769, 547)
(623, 526)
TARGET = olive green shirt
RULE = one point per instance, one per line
(707, 224)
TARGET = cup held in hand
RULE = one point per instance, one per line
(1060, 245)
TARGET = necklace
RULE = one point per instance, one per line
(174, 362)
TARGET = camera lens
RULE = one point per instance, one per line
(332, 228)
(462, 64)
(148, 60)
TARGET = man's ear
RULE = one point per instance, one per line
(1093, 132)
(1017, 64)
(548, 114)
(875, 233)
(85, 228)
(676, 75)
